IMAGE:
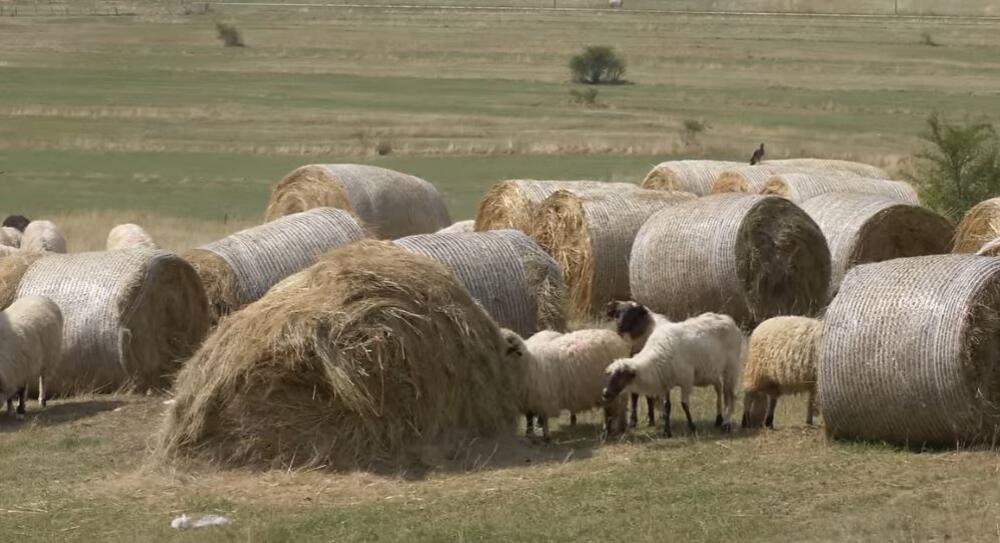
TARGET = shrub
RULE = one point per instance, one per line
(587, 97)
(383, 147)
(229, 35)
(959, 167)
(597, 64)
(927, 39)
(692, 128)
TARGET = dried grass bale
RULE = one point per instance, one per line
(43, 236)
(459, 227)
(518, 284)
(590, 235)
(240, 268)
(131, 317)
(750, 257)
(129, 236)
(392, 204)
(13, 266)
(512, 204)
(910, 350)
(782, 358)
(830, 165)
(800, 187)
(694, 176)
(862, 228)
(980, 225)
(357, 361)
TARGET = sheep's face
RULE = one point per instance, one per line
(621, 377)
(633, 320)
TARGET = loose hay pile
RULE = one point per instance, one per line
(590, 236)
(694, 176)
(130, 317)
(980, 225)
(751, 257)
(517, 283)
(862, 228)
(363, 359)
(239, 269)
(390, 203)
(512, 204)
(801, 187)
(910, 350)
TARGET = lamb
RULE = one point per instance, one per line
(783, 359)
(127, 236)
(706, 350)
(10, 237)
(565, 371)
(43, 236)
(30, 343)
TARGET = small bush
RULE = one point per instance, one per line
(597, 64)
(692, 128)
(229, 35)
(383, 148)
(587, 97)
(927, 39)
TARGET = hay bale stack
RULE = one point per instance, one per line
(519, 285)
(130, 317)
(800, 187)
(980, 226)
(909, 353)
(750, 257)
(590, 235)
(392, 204)
(459, 227)
(694, 176)
(358, 361)
(512, 204)
(830, 165)
(862, 228)
(240, 268)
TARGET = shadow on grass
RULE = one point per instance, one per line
(59, 413)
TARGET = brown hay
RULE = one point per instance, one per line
(783, 357)
(980, 225)
(694, 176)
(512, 204)
(12, 269)
(910, 350)
(392, 204)
(131, 317)
(751, 257)
(362, 360)
(501, 270)
(590, 236)
(221, 286)
(829, 165)
(801, 187)
(862, 228)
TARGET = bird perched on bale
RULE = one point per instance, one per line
(758, 156)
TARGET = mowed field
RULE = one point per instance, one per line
(147, 118)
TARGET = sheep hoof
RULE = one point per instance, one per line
(726, 427)
(668, 433)
(718, 421)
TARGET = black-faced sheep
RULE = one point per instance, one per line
(30, 342)
(19, 222)
(783, 359)
(615, 311)
(706, 350)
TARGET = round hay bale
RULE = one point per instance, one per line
(694, 176)
(240, 268)
(517, 283)
(12, 269)
(801, 187)
(359, 361)
(459, 227)
(590, 235)
(859, 169)
(862, 228)
(512, 204)
(392, 204)
(750, 257)
(980, 225)
(909, 353)
(131, 317)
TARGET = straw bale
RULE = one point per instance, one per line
(694, 176)
(500, 269)
(909, 352)
(390, 203)
(830, 165)
(12, 268)
(980, 225)
(800, 187)
(512, 204)
(459, 227)
(131, 317)
(750, 257)
(240, 268)
(590, 235)
(364, 360)
(862, 228)
(129, 236)
(43, 236)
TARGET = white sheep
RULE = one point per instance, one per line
(616, 311)
(783, 358)
(10, 237)
(565, 371)
(127, 236)
(30, 344)
(43, 236)
(706, 350)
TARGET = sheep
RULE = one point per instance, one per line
(18, 222)
(616, 310)
(30, 344)
(783, 359)
(564, 371)
(10, 237)
(126, 236)
(43, 236)
(706, 350)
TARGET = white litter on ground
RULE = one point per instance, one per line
(184, 522)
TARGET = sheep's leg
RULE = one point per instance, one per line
(572, 419)
(41, 391)
(666, 415)
(718, 404)
(811, 407)
(772, 405)
(529, 427)
(729, 403)
(10, 406)
(21, 392)
(651, 410)
(633, 418)
(685, 404)
(543, 421)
